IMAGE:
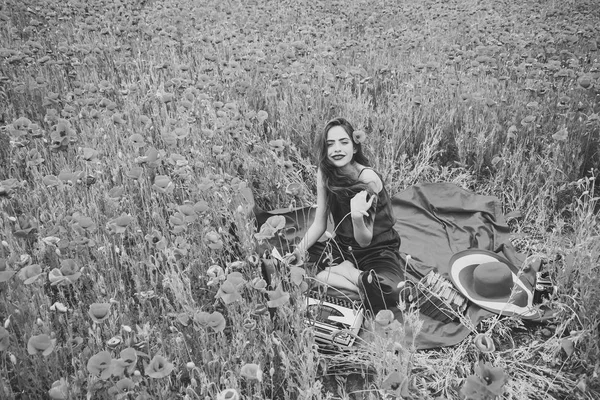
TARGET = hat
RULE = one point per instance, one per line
(493, 283)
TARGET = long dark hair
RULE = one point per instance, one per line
(338, 185)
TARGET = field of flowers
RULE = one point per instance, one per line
(132, 131)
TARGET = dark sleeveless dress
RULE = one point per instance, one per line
(380, 262)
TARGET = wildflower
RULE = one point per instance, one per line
(89, 154)
(228, 394)
(50, 181)
(261, 116)
(124, 386)
(278, 145)
(252, 371)
(216, 274)
(277, 297)
(119, 224)
(270, 227)
(213, 240)
(259, 284)
(228, 292)
(59, 390)
(201, 206)
(98, 312)
(126, 362)
(155, 238)
(83, 223)
(294, 189)
(114, 341)
(58, 306)
(359, 136)
(561, 135)
(487, 383)
(41, 344)
(158, 367)
(137, 140)
(116, 192)
(68, 273)
(135, 173)
(297, 275)
(5, 273)
(25, 227)
(163, 184)
(99, 364)
(4, 339)
(214, 320)
(384, 317)
(484, 343)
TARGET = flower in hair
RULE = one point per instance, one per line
(359, 136)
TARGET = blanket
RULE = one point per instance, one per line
(435, 221)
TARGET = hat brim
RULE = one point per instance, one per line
(518, 303)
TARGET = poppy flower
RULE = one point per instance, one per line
(359, 136)
(41, 344)
(278, 145)
(277, 297)
(119, 224)
(252, 372)
(74, 343)
(126, 362)
(163, 184)
(124, 385)
(155, 238)
(86, 223)
(216, 274)
(228, 292)
(484, 343)
(214, 320)
(294, 189)
(68, 273)
(89, 154)
(213, 240)
(50, 181)
(100, 364)
(137, 140)
(99, 312)
(561, 135)
(4, 339)
(5, 273)
(271, 226)
(261, 116)
(25, 227)
(201, 206)
(116, 193)
(58, 306)
(488, 382)
(259, 284)
(135, 173)
(228, 394)
(384, 318)
(158, 367)
(59, 390)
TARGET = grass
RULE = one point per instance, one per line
(130, 130)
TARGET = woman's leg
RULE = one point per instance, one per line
(341, 276)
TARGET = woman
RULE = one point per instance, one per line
(365, 249)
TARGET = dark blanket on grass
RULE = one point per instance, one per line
(435, 221)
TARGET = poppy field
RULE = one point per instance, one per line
(132, 132)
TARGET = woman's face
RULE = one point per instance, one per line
(340, 148)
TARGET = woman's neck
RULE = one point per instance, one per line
(351, 170)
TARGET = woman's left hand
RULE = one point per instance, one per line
(361, 203)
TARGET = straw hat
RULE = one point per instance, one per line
(493, 283)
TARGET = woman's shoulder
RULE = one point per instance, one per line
(371, 177)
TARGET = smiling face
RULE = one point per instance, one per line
(340, 148)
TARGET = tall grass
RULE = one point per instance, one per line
(145, 122)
